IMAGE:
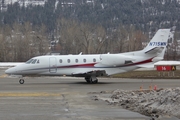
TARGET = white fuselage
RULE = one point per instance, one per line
(77, 64)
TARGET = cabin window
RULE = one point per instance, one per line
(68, 60)
(29, 61)
(34, 61)
(76, 60)
(84, 60)
(60, 61)
(94, 60)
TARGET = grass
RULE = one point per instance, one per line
(150, 74)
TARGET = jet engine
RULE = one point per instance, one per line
(115, 60)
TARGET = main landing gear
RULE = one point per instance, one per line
(21, 81)
(91, 79)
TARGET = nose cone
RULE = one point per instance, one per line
(10, 71)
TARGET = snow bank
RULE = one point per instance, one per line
(9, 64)
(148, 102)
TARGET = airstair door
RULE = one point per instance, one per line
(52, 65)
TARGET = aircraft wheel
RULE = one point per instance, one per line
(95, 81)
(21, 81)
(88, 81)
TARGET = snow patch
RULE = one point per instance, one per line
(157, 103)
(9, 64)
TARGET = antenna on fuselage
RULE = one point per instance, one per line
(80, 53)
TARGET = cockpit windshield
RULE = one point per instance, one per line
(29, 61)
(32, 61)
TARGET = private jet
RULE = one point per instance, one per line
(91, 66)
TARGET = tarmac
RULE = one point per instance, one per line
(67, 98)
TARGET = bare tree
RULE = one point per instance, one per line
(17, 44)
(99, 39)
(40, 40)
(22, 42)
(135, 39)
(68, 34)
(26, 32)
(5, 42)
(118, 39)
(1, 45)
(80, 37)
(91, 38)
(172, 48)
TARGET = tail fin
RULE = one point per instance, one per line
(158, 43)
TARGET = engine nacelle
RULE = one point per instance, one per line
(115, 59)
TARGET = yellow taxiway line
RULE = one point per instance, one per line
(4, 75)
(11, 94)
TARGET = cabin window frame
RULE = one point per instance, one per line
(84, 60)
(60, 61)
(94, 59)
(68, 60)
(76, 60)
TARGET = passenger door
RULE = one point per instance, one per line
(52, 65)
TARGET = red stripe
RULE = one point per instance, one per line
(92, 64)
(141, 62)
(80, 65)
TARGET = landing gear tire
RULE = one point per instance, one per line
(21, 81)
(95, 81)
(90, 80)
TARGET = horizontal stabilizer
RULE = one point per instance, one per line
(147, 65)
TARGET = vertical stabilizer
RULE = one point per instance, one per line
(158, 43)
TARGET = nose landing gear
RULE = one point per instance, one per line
(92, 80)
(21, 81)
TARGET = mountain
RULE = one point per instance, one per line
(88, 26)
(144, 14)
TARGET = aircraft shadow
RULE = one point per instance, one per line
(68, 83)
(85, 83)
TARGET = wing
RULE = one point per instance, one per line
(95, 73)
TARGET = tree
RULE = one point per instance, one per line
(5, 44)
(91, 38)
(23, 42)
(119, 38)
(135, 39)
(40, 40)
(68, 30)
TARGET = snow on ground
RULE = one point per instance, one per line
(153, 103)
(9, 64)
